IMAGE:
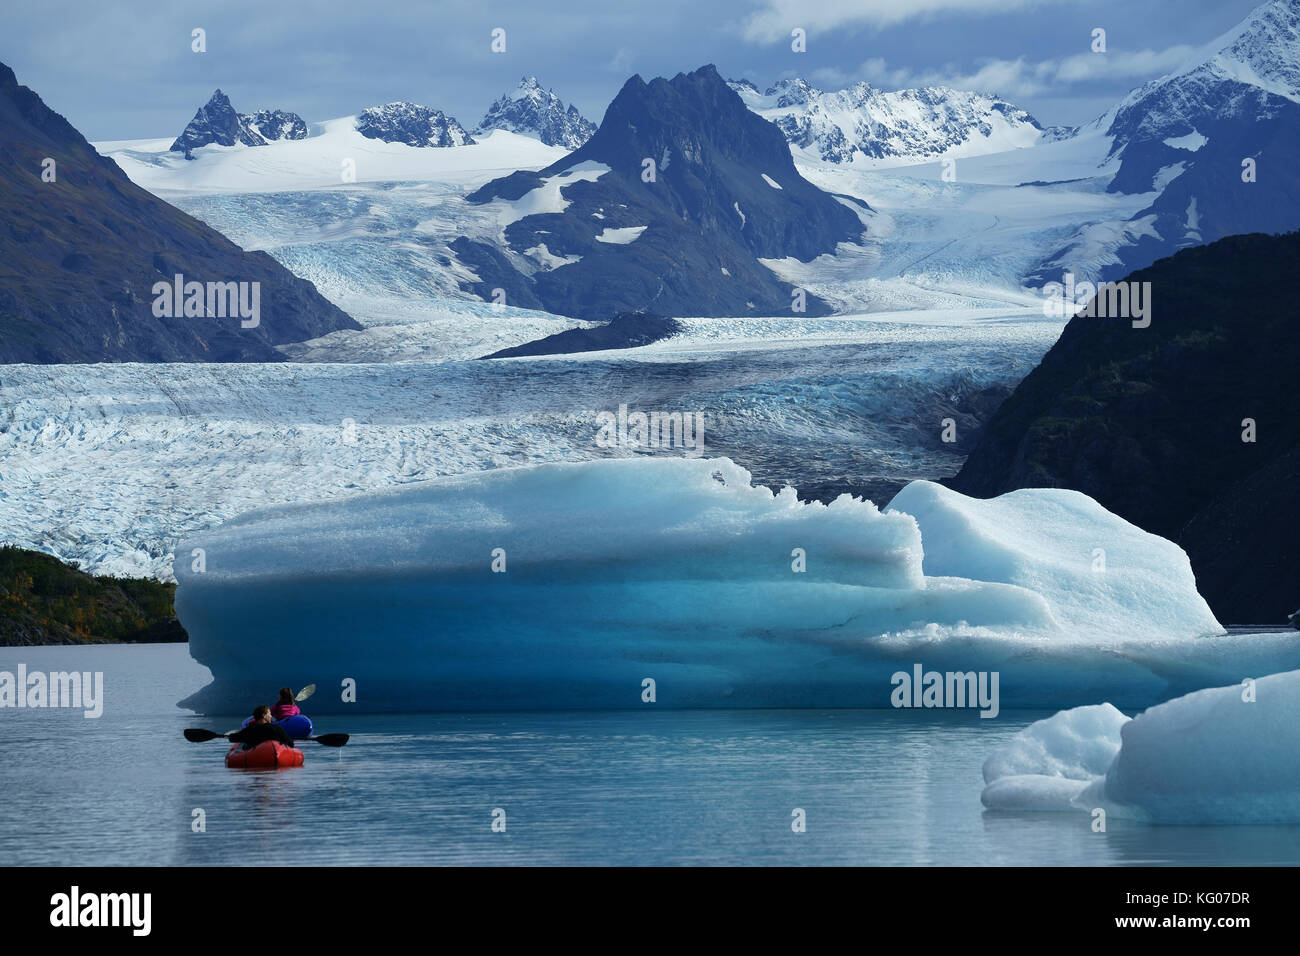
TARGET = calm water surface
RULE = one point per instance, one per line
(640, 787)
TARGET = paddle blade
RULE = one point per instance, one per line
(305, 693)
(331, 740)
(197, 735)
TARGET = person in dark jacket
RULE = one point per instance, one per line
(261, 730)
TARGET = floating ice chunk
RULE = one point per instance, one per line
(1051, 762)
(1076, 744)
(568, 586)
(1104, 579)
(1033, 792)
(615, 571)
(1218, 756)
(1223, 755)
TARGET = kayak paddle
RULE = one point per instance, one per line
(331, 740)
(197, 735)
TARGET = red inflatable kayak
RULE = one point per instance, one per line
(268, 755)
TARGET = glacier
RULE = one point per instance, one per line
(570, 585)
(107, 465)
(1222, 755)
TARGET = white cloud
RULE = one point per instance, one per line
(1021, 77)
(620, 62)
(778, 17)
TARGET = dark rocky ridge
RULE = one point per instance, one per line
(217, 122)
(1149, 421)
(79, 257)
(626, 331)
(709, 210)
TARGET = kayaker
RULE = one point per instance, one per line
(261, 730)
(285, 706)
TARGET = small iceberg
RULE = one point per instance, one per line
(1225, 755)
(677, 582)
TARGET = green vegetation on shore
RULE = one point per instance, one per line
(44, 601)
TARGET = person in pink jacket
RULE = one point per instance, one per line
(285, 706)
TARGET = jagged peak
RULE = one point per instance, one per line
(412, 124)
(794, 83)
(531, 109)
(401, 105)
(860, 120)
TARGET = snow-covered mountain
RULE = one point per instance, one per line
(1216, 141)
(413, 125)
(912, 125)
(217, 122)
(671, 207)
(277, 124)
(1231, 76)
(533, 111)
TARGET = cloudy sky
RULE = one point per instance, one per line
(124, 69)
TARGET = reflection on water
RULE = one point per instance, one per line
(645, 787)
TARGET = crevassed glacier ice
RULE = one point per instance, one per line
(681, 571)
(1225, 755)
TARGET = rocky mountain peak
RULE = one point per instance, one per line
(911, 125)
(671, 206)
(412, 124)
(532, 110)
(218, 122)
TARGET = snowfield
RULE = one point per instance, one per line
(621, 237)
(546, 198)
(333, 154)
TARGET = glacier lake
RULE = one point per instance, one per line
(652, 787)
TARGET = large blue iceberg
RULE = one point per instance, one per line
(677, 583)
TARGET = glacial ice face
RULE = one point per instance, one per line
(1225, 755)
(680, 571)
